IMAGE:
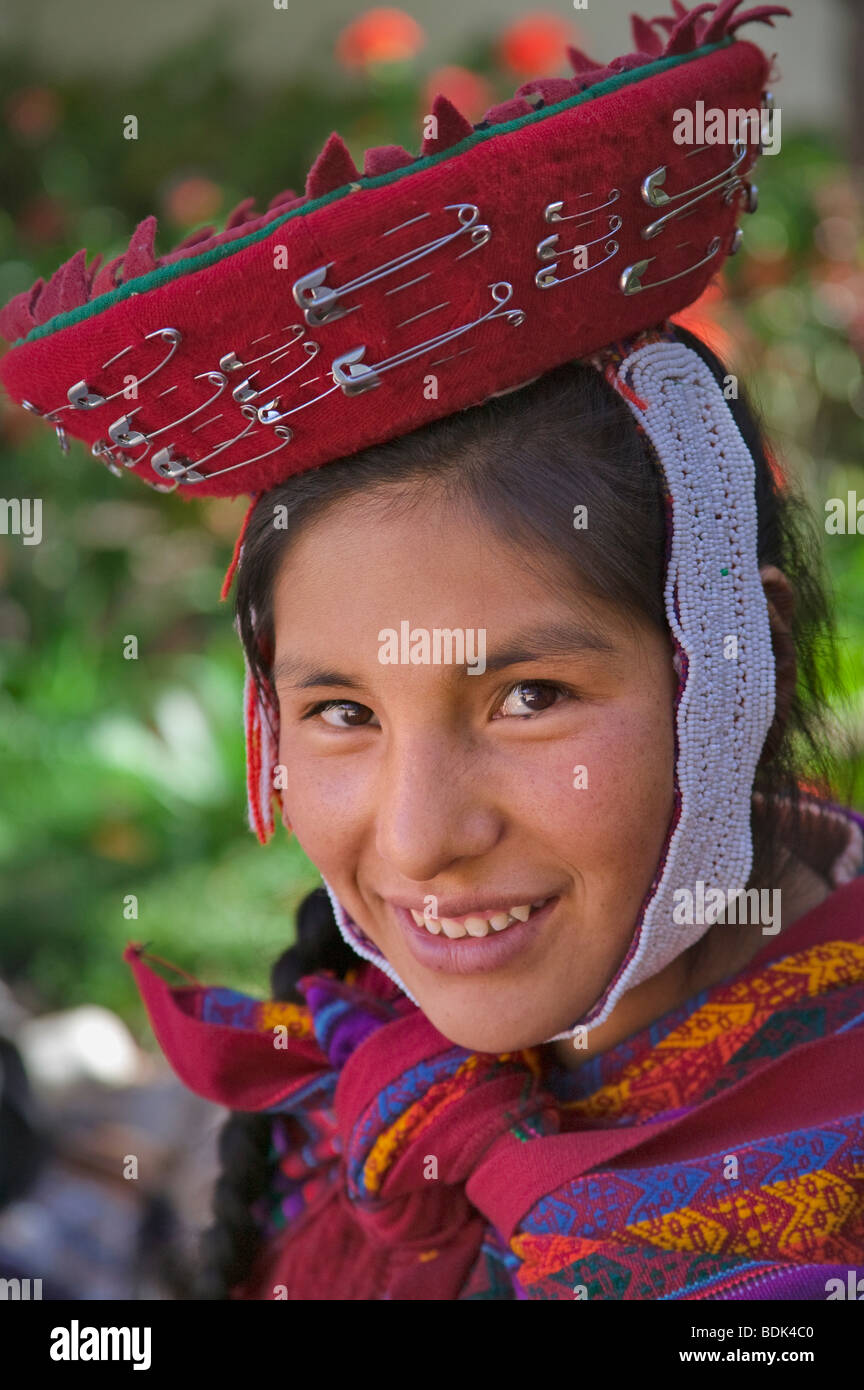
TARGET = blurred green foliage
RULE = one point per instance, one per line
(127, 777)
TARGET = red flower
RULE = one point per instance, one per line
(382, 35)
(469, 93)
(33, 112)
(42, 220)
(537, 45)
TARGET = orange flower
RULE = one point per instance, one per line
(469, 93)
(193, 200)
(537, 45)
(382, 35)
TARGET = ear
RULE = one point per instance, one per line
(781, 609)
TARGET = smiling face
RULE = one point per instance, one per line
(456, 792)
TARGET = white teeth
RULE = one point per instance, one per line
(477, 926)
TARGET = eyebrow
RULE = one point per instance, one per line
(532, 644)
(555, 639)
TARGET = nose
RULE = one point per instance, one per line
(434, 807)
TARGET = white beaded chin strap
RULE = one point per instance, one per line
(718, 615)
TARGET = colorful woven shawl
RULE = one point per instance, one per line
(717, 1154)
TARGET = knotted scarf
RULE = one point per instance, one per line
(716, 1154)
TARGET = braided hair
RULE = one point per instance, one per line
(229, 1247)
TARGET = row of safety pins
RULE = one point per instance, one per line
(321, 304)
(727, 182)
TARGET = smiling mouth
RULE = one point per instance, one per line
(478, 924)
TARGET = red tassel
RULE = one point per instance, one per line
(55, 297)
(551, 89)
(685, 36)
(253, 758)
(91, 274)
(508, 111)
(618, 384)
(106, 280)
(580, 62)
(140, 257)
(762, 14)
(15, 319)
(286, 196)
(242, 213)
(452, 127)
(333, 168)
(202, 234)
(383, 159)
(238, 545)
(644, 37)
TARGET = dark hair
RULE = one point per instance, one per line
(520, 462)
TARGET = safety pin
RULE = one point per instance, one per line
(124, 433)
(232, 363)
(630, 278)
(656, 196)
(167, 466)
(104, 451)
(546, 278)
(553, 210)
(183, 471)
(269, 415)
(283, 431)
(355, 376)
(320, 302)
(245, 392)
(83, 397)
(734, 185)
(62, 436)
(547, 252)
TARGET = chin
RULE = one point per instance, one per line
(496, 1036)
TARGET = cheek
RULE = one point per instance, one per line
(602, 800)
(323, 802)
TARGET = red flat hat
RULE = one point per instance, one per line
(568, 219)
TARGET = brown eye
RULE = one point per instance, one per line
(349, 715)
(530, 697)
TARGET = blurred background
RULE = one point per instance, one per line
(127, 777)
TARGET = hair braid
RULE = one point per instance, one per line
(230, 1246)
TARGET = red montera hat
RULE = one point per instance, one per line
(568, 218)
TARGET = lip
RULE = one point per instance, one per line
(471, 955)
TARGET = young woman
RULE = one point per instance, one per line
(411, 782)
(535, 647)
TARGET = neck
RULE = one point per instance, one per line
(723, 951)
